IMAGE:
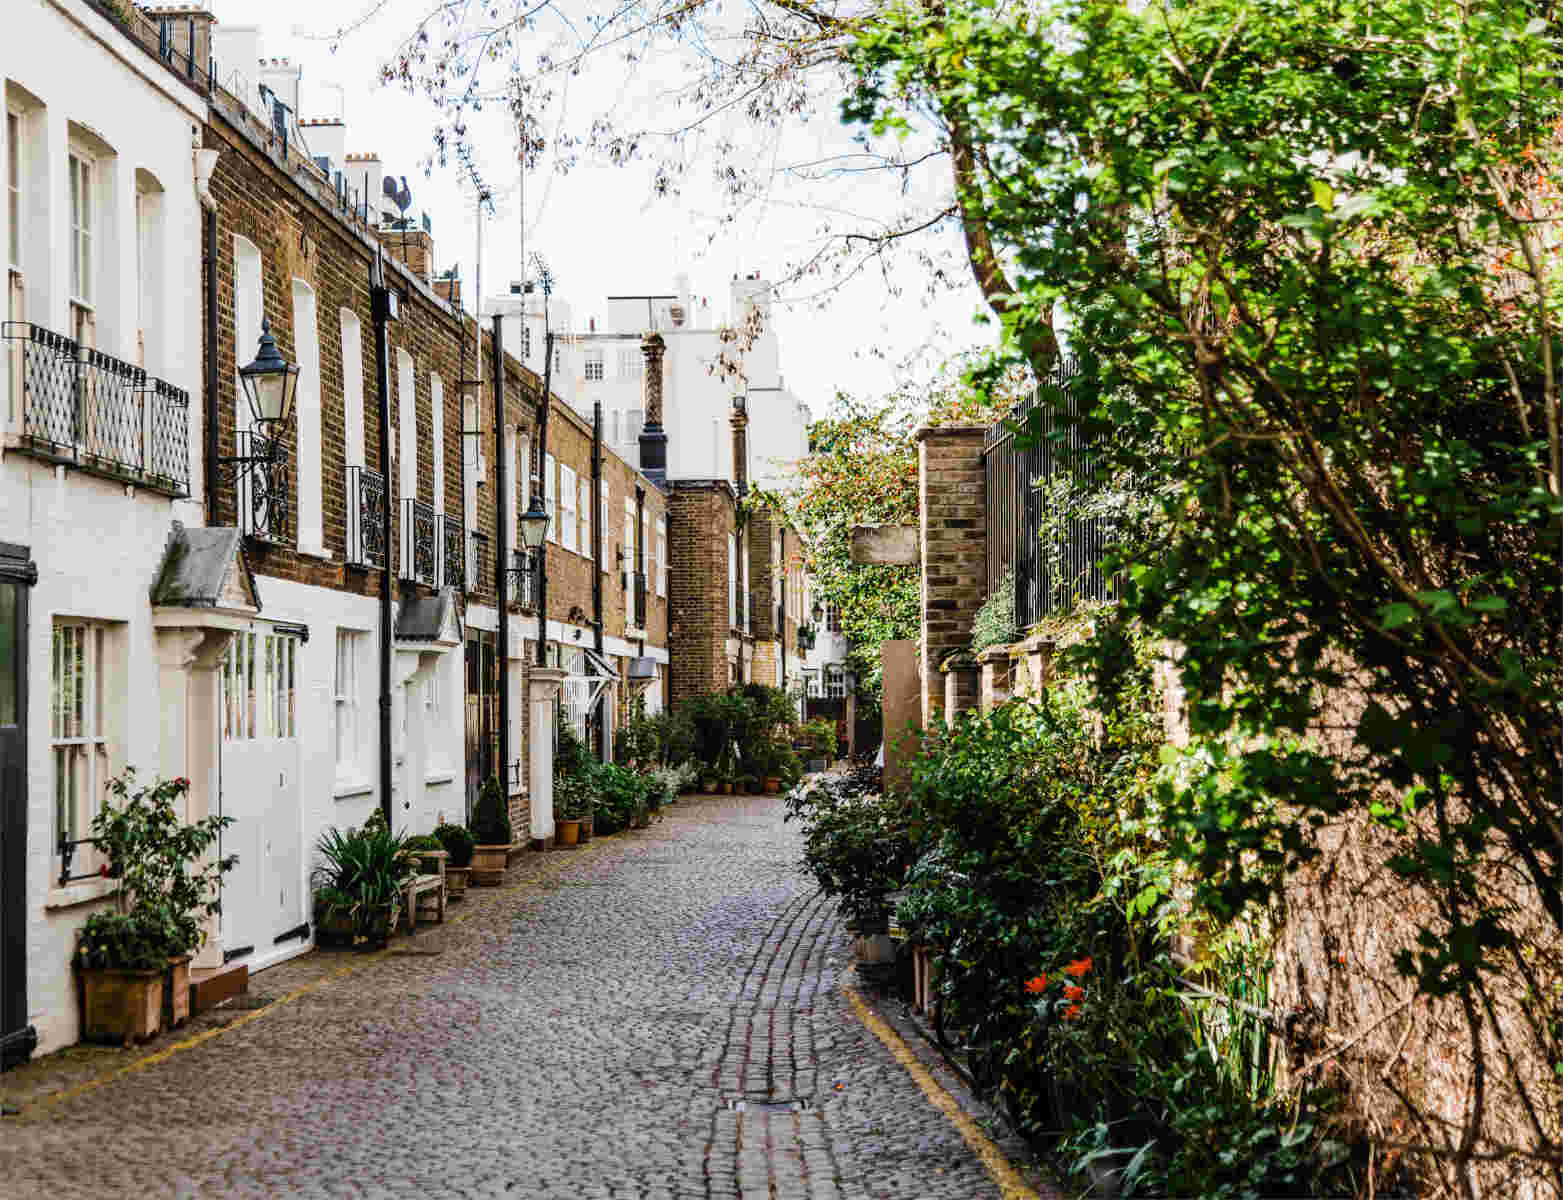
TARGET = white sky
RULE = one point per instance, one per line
(598, 227)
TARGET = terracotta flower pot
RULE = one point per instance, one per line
(588, 823)
(567, 831)
(176, 992)
(708, 786)
(121, 1006)
(772, 786)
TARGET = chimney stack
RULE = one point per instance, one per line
(739, 418)
(653, 441)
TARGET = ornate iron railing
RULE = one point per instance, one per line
(420, 542)
(365, 517)
(100, 414)
(453, 553)
(521, 579)
(261, 492)
(477, 561)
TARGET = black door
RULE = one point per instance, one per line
(17, 575)
(482, 711)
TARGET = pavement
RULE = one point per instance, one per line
(666, 1013)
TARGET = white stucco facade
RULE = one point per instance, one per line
(102, 235)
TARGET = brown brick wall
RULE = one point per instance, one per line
(700, 516)
(954, 556)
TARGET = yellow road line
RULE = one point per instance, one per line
(1011, 1185)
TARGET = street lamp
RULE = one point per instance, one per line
(534, 524)
(259, 472)
(270, 382)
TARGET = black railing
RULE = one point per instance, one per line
(522, 579)
(640, 600)
(261, 491)
(65, 848)
(99, 413)
(1054, 557)
(420, 542)
(453, 553)
(365, 517)
(477, 561)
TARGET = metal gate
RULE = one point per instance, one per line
(17, 575)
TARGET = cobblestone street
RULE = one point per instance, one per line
(658, 1014)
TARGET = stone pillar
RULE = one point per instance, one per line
(902, 710)
(543, 694)
(961, 691)
(953, 548)
(995, 687)
(653, 441)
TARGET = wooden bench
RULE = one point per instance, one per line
(427, 883)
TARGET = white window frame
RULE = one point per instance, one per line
(567, 501)
(81, 170)
(78, 737)
(629, 561)
(347, 700)
(607, 548)
(16, 181)
(632, 364)
(593, 369)
(732, 581)
(584, 519)
(550, 499)
(437, 444)
(524, 470)
(662, 556)
(266, 709)
(745, 613)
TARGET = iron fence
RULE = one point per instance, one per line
(453, 552)
(1054, 556)
(93, 411)
(477, 560)
(522, 579)
(420, 542)
(365, 517)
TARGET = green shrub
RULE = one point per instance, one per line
(490, 818)
(457, 841)
(360, 873)
(994, 624)
(857, 847)
(620, 795)
(423, 841)
(124, 941)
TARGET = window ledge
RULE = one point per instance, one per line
(357, 786)
(440, 775)
(319, 554)
(84, 892)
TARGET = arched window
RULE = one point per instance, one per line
(352, 389)
(306, 345)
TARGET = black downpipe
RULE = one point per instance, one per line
(210, 264)
(380, 311)
(602, 515)
(542, 450)
(501, 554)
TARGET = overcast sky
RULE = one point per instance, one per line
(599, 230)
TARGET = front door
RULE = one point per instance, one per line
(17, 575)
(482, 711)
(265, 895)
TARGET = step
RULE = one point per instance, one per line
(210, 986)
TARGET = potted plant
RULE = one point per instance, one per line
(490, 835)
(358, 884)
(709, 783)
(569, 804)
(458, 844)
(167, 884)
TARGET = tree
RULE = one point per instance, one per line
(862, 470)
(1310, 251)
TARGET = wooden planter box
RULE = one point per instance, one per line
(456, 881)
(122, 1006)
(488, 865)
(176, 992)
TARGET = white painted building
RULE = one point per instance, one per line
(603, 361)
(99, 456)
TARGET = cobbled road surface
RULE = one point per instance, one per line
(659, 1014)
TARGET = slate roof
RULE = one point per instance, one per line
(200, 569)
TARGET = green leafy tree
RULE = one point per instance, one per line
(1308, 250)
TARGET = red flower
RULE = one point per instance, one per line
(1074, 993)
(1079, 967)
(1036, 985)
(1072, 1013)
(104, 870)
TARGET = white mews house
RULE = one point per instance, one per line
(99, 458)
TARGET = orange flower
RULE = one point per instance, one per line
(1036, 985)
(1074, 993)
(1072, 1013)
(1078, 968)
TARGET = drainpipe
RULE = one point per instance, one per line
(501, 555)
(602, 515)
(542, 451)
(205, 160)
(382, 307)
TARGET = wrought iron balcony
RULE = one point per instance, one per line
(521, 580)
(420, 557)
(365, 517)
(453, 552)
(640, 600)
(100, 414)
(261, 495)
(477, 561)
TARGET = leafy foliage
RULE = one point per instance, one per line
(490, 819)
(360, 874)
(994, 624)
(457, 842)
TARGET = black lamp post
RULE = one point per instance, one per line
(533, 525)
(270, 384)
